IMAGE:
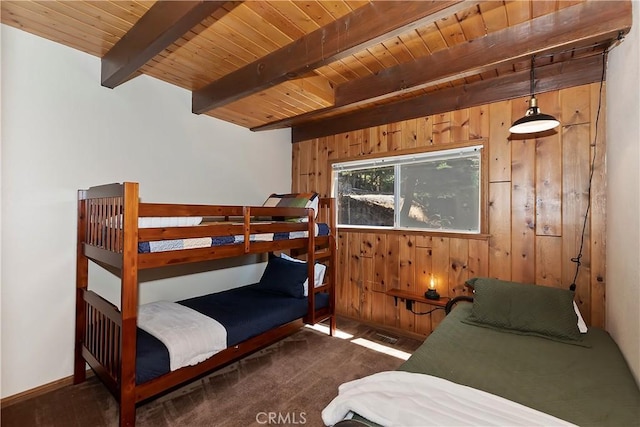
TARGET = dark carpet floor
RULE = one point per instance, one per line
(286, 384)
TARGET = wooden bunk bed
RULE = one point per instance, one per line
(109, 234)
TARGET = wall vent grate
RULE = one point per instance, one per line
(386, 338)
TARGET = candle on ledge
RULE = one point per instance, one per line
(432, 293)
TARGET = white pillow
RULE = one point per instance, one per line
(318, 270)
(582, 326)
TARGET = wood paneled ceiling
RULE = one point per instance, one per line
(324, 67)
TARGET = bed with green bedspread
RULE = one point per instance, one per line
(588, 384)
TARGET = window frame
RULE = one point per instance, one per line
(481, 145)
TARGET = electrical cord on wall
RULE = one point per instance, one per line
(425, 312)
(577, 258)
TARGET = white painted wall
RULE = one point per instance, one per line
(623, 195)
(62, 131)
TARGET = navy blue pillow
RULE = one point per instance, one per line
(284, 277)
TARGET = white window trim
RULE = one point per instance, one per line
(404, 159)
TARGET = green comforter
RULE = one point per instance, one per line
(588, 386)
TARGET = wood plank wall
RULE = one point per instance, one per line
(538, 195)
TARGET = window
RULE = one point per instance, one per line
(436, 190)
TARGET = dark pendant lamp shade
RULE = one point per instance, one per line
(533, 120)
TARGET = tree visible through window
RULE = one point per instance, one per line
(438, 190)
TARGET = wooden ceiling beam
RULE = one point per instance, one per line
(603, 29)
(548, 78)
(164, 23)
(365, 26)
(570, 27)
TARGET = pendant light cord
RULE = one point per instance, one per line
(533, 75)
(577, 258)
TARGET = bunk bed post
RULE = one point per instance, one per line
(333, 268)
(311, 260)
(129, 305)
(82, 280)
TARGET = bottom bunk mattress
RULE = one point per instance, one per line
(244, 312)
(589, 384)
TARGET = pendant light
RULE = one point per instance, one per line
(533, 120)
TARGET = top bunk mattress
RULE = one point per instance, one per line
(589, 384)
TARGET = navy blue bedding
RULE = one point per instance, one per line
(245, 312)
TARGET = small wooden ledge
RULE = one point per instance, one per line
(409, 296)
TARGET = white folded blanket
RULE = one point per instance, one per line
(190, 336)
(161, 221)
(400, 398)
(158, 221)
